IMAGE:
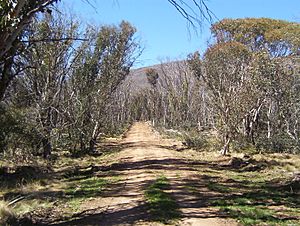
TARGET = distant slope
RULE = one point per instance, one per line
(137, 77)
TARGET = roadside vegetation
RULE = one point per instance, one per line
(261, 190)
(71, 183)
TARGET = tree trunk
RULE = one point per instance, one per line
(47, 148)
(93, 140)
(5, 76)
(269, 122)
(82, 143)
(92, 148)
(225, 149)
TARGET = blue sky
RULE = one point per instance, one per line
(164, 33)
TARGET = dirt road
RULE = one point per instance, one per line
(145, 155)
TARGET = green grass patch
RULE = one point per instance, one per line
(86, 188)
(256, 215)
(256, 197)
(162, 206)
(74, 204)
(216, 186)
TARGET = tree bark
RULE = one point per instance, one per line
(92, 144)
(225, 149)
(93, 140)
(47, 148)
(5, 76)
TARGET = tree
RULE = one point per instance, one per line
(277, 37)
(280, 40)
(194, 17)
(250, 95)
(14, 17)
(40, 88)
(224, 71)
(104, 63)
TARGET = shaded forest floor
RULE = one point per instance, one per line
(145, 179)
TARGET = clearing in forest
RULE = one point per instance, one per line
(146, 179)
(155, 185)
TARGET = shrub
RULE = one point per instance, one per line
(195, 141)
(278, 143)
(7, 215)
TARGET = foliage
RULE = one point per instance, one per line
(8, 125)
(102, 65)
(15, 15)
(152, 76)
(245, 75)
(68, 83)
(16, 135)
(225, 74)
(196, 141)
(278, 37)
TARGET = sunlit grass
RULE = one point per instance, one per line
(257, 215)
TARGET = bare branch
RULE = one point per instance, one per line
(54, 40)
(187, 9)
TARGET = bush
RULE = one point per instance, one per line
(8, 124)
(241, 144)
(278, 143)
(18, 139)
(7, 216)
(195, 141)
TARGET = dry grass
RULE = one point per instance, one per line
(7, 214)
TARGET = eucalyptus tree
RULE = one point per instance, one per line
(277, 37)
(104, 63)
(178, 88)
(15, 15)
(246, 76)
(224, 70)
(39, 90)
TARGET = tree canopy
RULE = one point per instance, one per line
(278, 37)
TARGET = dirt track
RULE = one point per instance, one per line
(145, 156)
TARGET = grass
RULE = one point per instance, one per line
(27, 206)
(86, 188)
(62, 191)
(254, 205)
(253, 198)
(257, 215)
(258, 197)
(161, 204)
(215, 186)
(7, 214)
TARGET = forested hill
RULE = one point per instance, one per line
(138, 76)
